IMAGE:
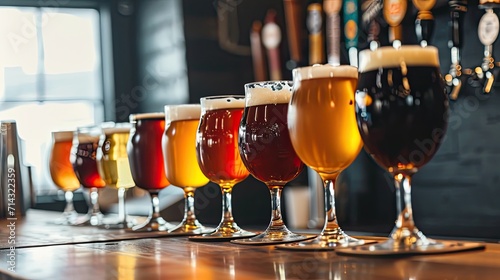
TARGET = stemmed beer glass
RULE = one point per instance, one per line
(219, 158)
(146, 164)
(114, 167)
(322, 126)
(83, 158)
(181, 165)
(401, 108)
(62, 173)
(267, 151)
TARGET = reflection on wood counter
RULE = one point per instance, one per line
(178, 258)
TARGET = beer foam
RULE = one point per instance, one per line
(142, 116)
(391, 57)
(65, 135)
(222, 102)
(182, 112)
(272, 92)
(324, 71)
(122, 128)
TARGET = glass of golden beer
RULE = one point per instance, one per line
(83, 158)
(146, 164)
(181, 164)
(402, 109)
(62, 173)
(219, 158)
(267, 151)
(324, 134)
(114, 167)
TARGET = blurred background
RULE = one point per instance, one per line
(66, 63)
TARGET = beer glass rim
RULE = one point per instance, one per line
(388, 56)
(142, 116)
(267, 92)
(123, 127)
(182, 112)
(61, 135)
(324, 71)
(232, 102)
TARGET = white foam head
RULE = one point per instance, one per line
(324, 71)
(143, 116)
(390, 57)
(270, 92)
(59, 136)
(118, 128)
(222, 102)
(182, 112)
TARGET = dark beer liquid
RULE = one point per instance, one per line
(145, 154)
(85, 165)
(217, 146)
(265, 144)
(405, 117)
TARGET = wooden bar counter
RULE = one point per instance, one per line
(45, 251)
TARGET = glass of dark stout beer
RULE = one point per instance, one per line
(219, 158)
(146, 164)
(401, 110)
(267, 151)
(83, 158)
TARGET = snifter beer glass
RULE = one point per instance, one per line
(181, 165)
(146, 163)
(267, 151)
(83, 157)
(401, 108)
(218, 155)
(322, 126)
(62, 173)
(114, 167)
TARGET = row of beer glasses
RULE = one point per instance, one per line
(322, 121)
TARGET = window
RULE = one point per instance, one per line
(50, 77)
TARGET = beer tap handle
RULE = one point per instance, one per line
(350, 9)
(487, 31)
(394, 12)
(293, 19)
(271, 38)
(458, 8)
(332, 9)
(259, 65)
(424, 24)
(315, 28)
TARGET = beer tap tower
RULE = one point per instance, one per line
(453, 79)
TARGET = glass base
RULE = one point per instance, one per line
(224, 234)
(324, 242)
(115, 223)
(191, 228)
(96, 219)
(153, 224)
(67, 219)
(273, 237)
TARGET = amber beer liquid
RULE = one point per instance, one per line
(402, 106)
(179, 142)
(84, 160)
(325, 95)
(217, 141)
(61, 168)
(113, 164)
(265, 143)
(145, 152)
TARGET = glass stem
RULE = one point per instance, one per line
(227, 212)
(155, 202)
(276, 218)
(189, 215)
(331, 226)
(403, 195)
(68, 195)
(122, 214)
(94, 201)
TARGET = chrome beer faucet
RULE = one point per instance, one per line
(453, 79)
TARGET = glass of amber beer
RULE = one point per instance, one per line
(83, 158)
(146, 164)
(114, 167)
(324, 134)
(62, 173)
(219, 158)
(267, 151)
(402, 109)
(181, 165)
